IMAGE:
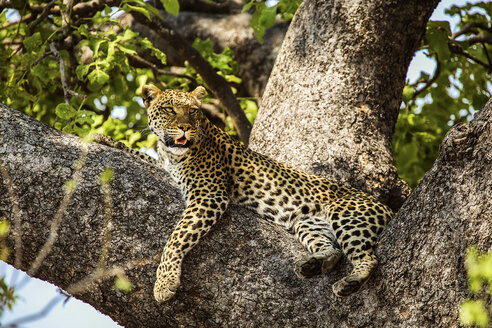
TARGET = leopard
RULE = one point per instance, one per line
(213, 170)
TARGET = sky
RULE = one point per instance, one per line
(36, 294)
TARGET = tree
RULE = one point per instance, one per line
(242, 274)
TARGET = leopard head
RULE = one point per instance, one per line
(174, 116)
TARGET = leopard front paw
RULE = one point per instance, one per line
(165, 287)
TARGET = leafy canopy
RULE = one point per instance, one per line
(459, 86)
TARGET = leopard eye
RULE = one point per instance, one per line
(193, 109)
(169, 109)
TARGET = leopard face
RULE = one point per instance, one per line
(175, 116)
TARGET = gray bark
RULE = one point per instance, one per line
(241, 274)
(335, 91)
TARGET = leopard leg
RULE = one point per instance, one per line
(199, 216)
(317, 236)
(357, 232)
(108, 141)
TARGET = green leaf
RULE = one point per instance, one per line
(474, 312)
(171, 6)
(107, 175)
(32, 42)
(127, 35)
(247, 6)
(258, 29)
(98, 77)
(408, 92)
(437, 36)
(65, 111)
(123, 284)
(82, 71)
(81, 131)
(127, 48)
(267, 18)
(233, 79)
(97, 44)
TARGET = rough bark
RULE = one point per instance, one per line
(241, 274)
(334, 93)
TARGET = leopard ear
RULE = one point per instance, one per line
(199, 92)
(149, 93)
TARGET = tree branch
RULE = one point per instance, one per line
(430, 81)
(219, 86)
(241, 273)
(138, 61)
(457, 49)
(67, 92)
(471, 28)
(480, 38)
(44, 13)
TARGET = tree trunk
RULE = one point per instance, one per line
(241, 274)
(335, 91)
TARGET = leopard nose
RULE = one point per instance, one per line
(184, 127)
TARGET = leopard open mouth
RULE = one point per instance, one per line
(181, 142)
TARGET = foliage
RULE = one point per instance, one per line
(7, 293)
(122, 283)
(265, 15)
(7, 296)
(103, 82)
(479, 269)
(459, 87)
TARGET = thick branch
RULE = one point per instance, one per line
(241, 273)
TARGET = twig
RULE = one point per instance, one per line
(43, 15)
(469, 28)
(487, 55)
(38, 315)
(28, 17)
(137, 60)
(219, 86)
(457, 49)
(98, 276)
(66, 90)
(479, 38)
(430, 81)
(17, 231)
